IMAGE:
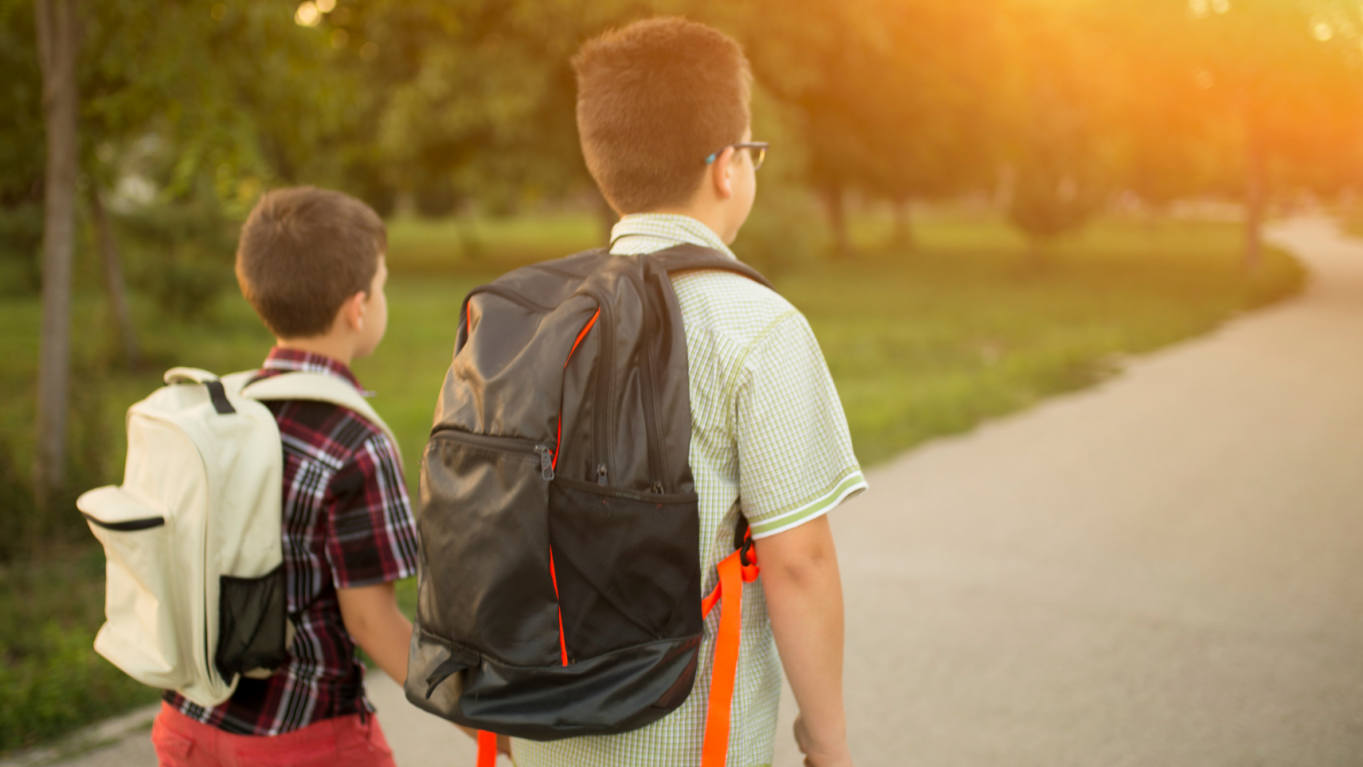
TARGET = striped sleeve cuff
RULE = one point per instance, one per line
(850, 485)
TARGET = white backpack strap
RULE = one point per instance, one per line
(188, 375)
(319, 387)
(217, 393)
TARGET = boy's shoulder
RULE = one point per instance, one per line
(326, 431)
(325, 427)
(729, 307)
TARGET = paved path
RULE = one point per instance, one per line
(1166, 570)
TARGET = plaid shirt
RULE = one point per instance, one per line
(347, 523)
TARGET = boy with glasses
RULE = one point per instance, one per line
(665, 127)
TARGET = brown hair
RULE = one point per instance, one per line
(654, 99)
(303, 252)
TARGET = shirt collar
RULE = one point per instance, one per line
(299, 361)
(647, 232)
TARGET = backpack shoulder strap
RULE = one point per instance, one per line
(318, 387)
(688, 256)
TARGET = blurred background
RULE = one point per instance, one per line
(977, 204)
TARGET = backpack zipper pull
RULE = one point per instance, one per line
(601, 474)
(546, 462)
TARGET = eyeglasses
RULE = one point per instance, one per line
(758, 150)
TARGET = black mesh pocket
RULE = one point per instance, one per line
(252, 623)
(627, 566)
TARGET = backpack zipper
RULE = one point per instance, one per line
(546, 462)
(558, 440)
(655, 448)
(603, 390)
(503, 445)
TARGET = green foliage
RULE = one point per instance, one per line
(21, 236)
(181, 255)
(22, 137)
(51, 680)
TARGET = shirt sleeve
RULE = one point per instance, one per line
(373, 536)
(795, 458)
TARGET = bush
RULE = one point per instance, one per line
(21, 238)
(784, 231)
(16, 499)
(51, 680)
(181, 255)
(64, 687)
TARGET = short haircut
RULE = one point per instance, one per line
(303, 252)
(654, 99)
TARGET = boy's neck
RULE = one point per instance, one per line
(712, 216)
(337, 349)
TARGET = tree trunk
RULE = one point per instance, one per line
(113, 278)
(606, 218)
(903, 225)
(58, 46)
(1256, 184)
(837, 220)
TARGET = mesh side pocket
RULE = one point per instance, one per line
(252, 623)
(627, 567)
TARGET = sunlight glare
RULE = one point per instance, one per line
(1323, 31)
(326, 6)
(307, 15)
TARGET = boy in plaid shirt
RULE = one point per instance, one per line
(311, 263)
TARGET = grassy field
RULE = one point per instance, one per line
(920, 344)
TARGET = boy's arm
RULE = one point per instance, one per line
(795, 464)
(804, 601)
(372, 617)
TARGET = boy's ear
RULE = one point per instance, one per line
(721, 175)
(352, 311)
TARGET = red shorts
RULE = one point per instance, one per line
(341, 742)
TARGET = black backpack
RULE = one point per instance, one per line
(560, 583)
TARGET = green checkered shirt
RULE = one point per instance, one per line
(767, 427)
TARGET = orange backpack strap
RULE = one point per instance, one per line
(737, 569)
(487, 749)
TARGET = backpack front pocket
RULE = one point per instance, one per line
(252, 625)
(626, 566)
(485, 548)
(141, 635)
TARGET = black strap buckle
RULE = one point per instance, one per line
(743, 540)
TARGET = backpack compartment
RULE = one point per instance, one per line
(485, 542)
(625, 566)
(141, 634)
(253, 627)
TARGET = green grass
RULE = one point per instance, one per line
(51, 681)
(920, 344)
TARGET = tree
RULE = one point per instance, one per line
(1246, 96)
(1056, 121)
(58, 39)
(476, 100)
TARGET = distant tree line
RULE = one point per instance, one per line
(1048, 107)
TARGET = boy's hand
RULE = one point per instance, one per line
(818, 754)
(372, 617)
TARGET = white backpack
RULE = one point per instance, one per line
(195, 592)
